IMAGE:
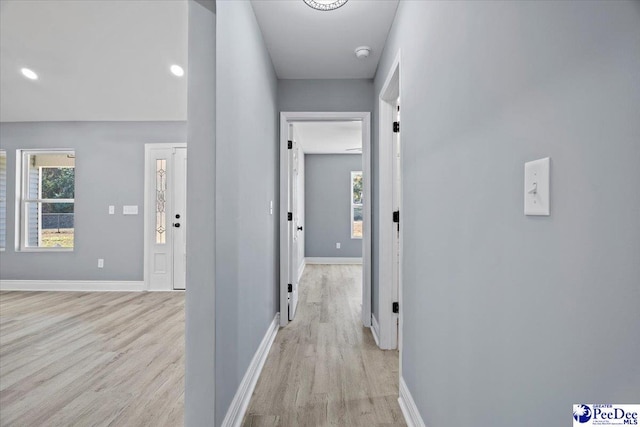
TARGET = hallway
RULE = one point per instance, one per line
(324, 368)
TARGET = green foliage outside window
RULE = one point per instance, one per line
(357, 189)
(58, 183)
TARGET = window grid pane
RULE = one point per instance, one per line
(50, 225)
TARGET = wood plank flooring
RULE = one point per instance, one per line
(324, 368)
(91, 359)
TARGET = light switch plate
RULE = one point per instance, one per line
(112, 210)
(130, 210)
(536, 187)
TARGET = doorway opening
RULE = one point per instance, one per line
(165, 216)
(293, 211)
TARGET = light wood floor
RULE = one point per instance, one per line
(91, 359)
(324, 368)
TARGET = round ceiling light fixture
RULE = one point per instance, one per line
(362, 52)
(30, 74)
(325, 4)
(177, 70)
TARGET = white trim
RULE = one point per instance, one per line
(240, 401)
(17, 230)
(72, 285)
(328, 260)
(408, 406)
(366, 230)
(389, 93)
(46, 249)
(287, 117)
(303, 264)
(3, 172)
(375, 328)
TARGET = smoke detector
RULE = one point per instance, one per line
(362, 52)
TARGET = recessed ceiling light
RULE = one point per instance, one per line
(177, 70)
(325, 4)
(30, 74)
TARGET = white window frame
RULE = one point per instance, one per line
(22, 199)
(3, 200)
(353, 205)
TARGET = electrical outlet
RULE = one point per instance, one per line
(100, 263)
(338, 245)
(112, 210)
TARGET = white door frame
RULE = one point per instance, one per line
(287, 117)
(386, 319)
(148, 189)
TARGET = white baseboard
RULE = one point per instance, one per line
(72, 285)
(303, 264)
(375, 330)
(240, 402)
(335, 260)
(409, 409)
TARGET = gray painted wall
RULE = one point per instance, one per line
(109, 171)
(325, 95)
(504, 314)
(201, 127)
(328, 205)
(246, 181)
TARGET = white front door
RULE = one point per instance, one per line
(165, 216)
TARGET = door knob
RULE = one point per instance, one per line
(300, 228)
(176, 225)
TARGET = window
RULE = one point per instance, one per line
(3, 200)
(356, 204)
(47, 200)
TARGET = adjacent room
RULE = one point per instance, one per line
(92, 93)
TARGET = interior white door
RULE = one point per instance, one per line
(396, 201)
(293, 224)
(179, 213)
(165, 216)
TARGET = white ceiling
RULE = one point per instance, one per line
(329, 137)
(96, 60)
(108, 60)
(310, 44)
